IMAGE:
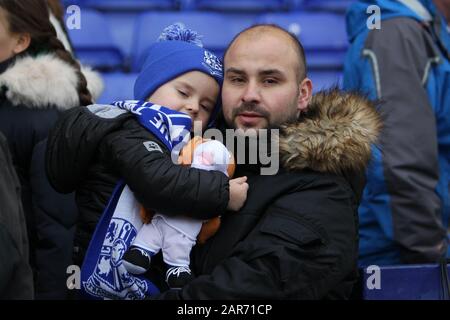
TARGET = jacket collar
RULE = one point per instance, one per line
(6, 64)
(40, 82)
(335, 136)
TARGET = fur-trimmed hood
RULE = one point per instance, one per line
(45, 80)
(334, 136)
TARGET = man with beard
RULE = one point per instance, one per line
(297, 235)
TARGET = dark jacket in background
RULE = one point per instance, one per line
(55, 220)
(16, 278)
(33, 91)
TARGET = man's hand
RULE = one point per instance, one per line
(238, 193)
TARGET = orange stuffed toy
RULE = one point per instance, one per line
(210, 227)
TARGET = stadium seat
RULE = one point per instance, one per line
(405, 282)
(124, 35)
(67, 3)
(94, 44)
(323, 79)
(131, 5)
(217, 30)
(323, 36)
(118, 86)
(326, 5)
(235, 5)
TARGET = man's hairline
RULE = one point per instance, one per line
(301, 72)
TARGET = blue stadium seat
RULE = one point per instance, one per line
(323, 36)
(326, 5)
(131, 5)
(217, 30)
(94, 44)
(235, 5)
(124, 35)
(404, 282)
(118, 86)
(323, 79)
(67, 3)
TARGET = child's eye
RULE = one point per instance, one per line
(182, 93)
(206, 107)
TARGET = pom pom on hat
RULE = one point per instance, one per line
(178, 31)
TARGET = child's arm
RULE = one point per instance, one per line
(160, 184)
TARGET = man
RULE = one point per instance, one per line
(405, 64)
(296, 237)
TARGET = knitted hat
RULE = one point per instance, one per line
(178, 50)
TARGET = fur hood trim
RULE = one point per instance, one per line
(41, 82)
(334, 136)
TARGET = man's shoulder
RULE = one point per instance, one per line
(297, 186)
(312, 190)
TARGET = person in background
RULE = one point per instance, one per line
(38, 79)
(406, 65)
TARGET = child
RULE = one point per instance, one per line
(176, 236)
(185, 78)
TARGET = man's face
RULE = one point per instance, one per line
(261, 87)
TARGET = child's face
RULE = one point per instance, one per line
(194, 93)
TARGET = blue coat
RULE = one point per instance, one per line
(405, 65)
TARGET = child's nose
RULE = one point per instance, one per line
(192, 108)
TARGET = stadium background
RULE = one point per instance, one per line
(115, 34)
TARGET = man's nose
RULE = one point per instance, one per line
(251, 93)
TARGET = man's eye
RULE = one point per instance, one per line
(237, 80)
(270, 81)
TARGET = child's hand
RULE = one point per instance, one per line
(238, 193)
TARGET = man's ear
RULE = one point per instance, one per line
(23, 41)
(305, 94)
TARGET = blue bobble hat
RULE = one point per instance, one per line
(178, 50)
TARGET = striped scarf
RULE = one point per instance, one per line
(103, 275)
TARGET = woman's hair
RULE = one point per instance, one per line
(32, 17)
(57, 9)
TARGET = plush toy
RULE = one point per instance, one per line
(186, 157)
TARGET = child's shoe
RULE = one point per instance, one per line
(137, 260)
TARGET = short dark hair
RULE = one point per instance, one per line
(296, 42)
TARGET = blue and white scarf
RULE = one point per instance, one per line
(103, 275)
